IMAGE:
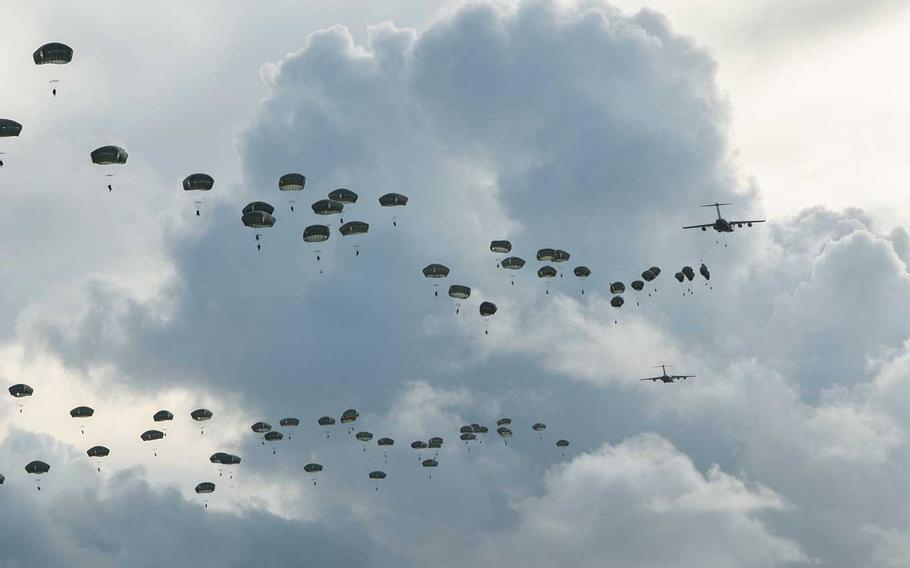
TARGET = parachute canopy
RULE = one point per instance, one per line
(562, 443)
(258, 206)
(290, 421)
(436, 271)
(561, 256)
(617, 288)
(198, 182)
(435, 442)
(512, 263)
(261, 427)
(312, 467)
(150, 435)
(503, 421)
(327, 207)
(679, 276)
(292, 182)
(316, 234)
(20, 390)
(688, 273)
(53, 53)
(429, 463)
(107, 155)
(393, 200)
(582, 271)
(82, 412)
(459, 292)
(326, 421)
(9, 128)
(539, 427)
(487, 309)
(703, 270)
(37, 467)
(364, 436)
(648, 276)
(377, 475)
(273, 436)
(343, 195)
(201, 414)
(354, 228)
(501, 247)
(163, 416)
(504, 432)
(617, 301)
(258, 215)
(638, 285)
(655, 270)
(385, 442)
(349, 415)
(98, 452)
(546, 272)
(205, 487)
(546, 254)
(419, 445)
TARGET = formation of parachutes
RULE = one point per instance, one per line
(260, 216)
(469, 434)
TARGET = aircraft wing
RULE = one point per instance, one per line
(681, 376)
(746, 222)
(652, 379)
(705, 225)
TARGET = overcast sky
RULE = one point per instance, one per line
(592, 127)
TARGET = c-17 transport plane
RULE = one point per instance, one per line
(665, 378)
(721, 225)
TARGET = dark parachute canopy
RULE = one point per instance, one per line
(273, 436)
(377, 475)
(205, 487)
(312, 467)
(289, 421)
(82, 412)
(316, 234)
(648, 276)
(679, 276)
(201, 414)
(326, 421)
(20, 390)
(539, 427)
(53, 53)
(436, 271)
(501, 247)
(617, 288)
(385, 442)
(261, 427)
(163, 416)
(37, 467)
(2, 479)
(655, 271)
(224, 458)
(98, 452)
(292, 182)
(512, 263)
(349, 415)
(638, 285)
(546, 272)
(343, 195)
(487, 309)
(393, 200)
(364, 436)
(617, 301)
(429, 463)
(198, 182)
(546, 254)
(459, 292)
(562, 443)
(467, 436)
(504, 432)
(561, 256)
(354, 228)
(688, 273)
(503, 421)
(107, 155)
(703, 270)
(150, 435)
(480, 429)
(9, 128)
(466, 429)
(582, 271)
(435, 442)
(258, 215)
(327, 207)
(419, 445)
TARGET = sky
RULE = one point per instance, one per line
(593, 127)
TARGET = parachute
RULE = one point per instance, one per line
(377, 475)
(703, 270)
(429, 463)
(617, 301)
(435, 271)
(468, 436)
(501, 247)
(343, 195)
(655, 271)
(505, 434)
(617, 288)
(326, 421)
(37, 467)
(487, 309)
(53, 53)
(364, 437)
(539, 427)
(638, 285)
(163, 416)
(289, 422)
(150, 435)
(354, 228)
(261, 427)
(582, 271)
(198, 182)
(562, 444)
(316, 234)
(648, 276)
(393, 200)
(561, 256)
(512, 263)
(679, 276)
(258, 215)
(504, 422)
(21, 390)
(292, 182)
(385, 442)
(349, 415)
(109, 155)
(546, 272)
(9, 128)
(98, 452)
(2, 479)
(546, 254)
(327, 207)
(82, 412)
(688, 273)
(313, 468)
(201, 414)
(460, 293)
(205, 487)
(435, 443)
(273, 436)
